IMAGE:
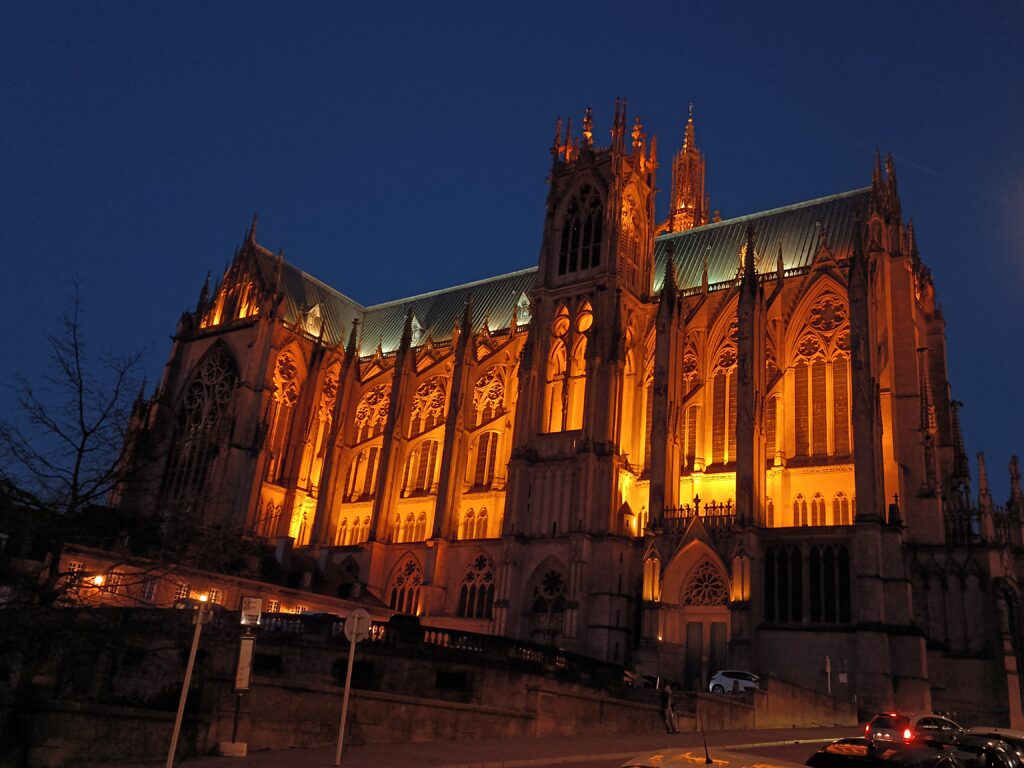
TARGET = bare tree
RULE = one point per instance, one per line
(62, 452)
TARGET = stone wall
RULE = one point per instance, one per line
(410, 683)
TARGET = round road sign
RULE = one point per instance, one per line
(357, 625)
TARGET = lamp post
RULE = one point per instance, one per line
(199, 619)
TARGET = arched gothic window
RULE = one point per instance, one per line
(818, 510)
(800, 510)
(476, 595)
(652, 578)
(428, 404)
(580, 247)
(324, 417)
(488, 396)
(485, 451)
(361, 481)
(554, 388)
(405, 588)
(829, 575)
(468, 527)
(783, 585)
(841, 510)
(821, 377)
(723, 404)
(282, 414)
(201, 425)
(421, 469)
(771, 409)
(481, 524)
(408, 527)
(547, 607)
(566, 378)
(420, 530)
(372, 412)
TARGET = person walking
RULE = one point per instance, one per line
(668, 709)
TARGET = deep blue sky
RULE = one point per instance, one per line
(395, 148)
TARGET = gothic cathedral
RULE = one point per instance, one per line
(676, 445)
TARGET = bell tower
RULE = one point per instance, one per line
(578, 448)
(689, 206)
(594, 281)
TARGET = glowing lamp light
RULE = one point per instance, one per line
(907, 735)
(97, 581)
(203, 598)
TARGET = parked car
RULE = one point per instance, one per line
(894, 727)
(733, 681)
(941, 734)
(1015, 739)
(859, 753)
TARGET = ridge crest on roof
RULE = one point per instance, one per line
(769, 212)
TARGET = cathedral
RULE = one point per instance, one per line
(676, 445)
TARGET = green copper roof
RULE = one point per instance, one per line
(796, 229)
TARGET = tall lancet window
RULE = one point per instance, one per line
(580, 246)
(821, 378)
(282, 414)
(723, 404)
(201, 424)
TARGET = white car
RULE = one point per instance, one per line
(733, 681)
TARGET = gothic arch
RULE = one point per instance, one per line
(546, 600)
(684, 565)
(403, 591)
(476, 593)
(580, 234)
(799, 318)
(202, 419)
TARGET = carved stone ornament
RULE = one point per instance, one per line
(706, 587)
(828, 314)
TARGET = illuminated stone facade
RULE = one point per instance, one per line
(680, 445)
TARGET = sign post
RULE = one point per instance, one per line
(357, 627)
(202, 616)
(252, 609)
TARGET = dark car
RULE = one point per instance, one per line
(1015, 739)
(940, 733)
(860, 753)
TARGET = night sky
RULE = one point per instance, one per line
(397, 148)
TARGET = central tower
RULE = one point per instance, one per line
(581, 441)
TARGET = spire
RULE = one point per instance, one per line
(876, 174)
(984, 496)
(353, 336)
(689, 140)
(1016, 496)
(638, 133)
(556, 148)
(588, 128)
(961, 468)
(204, 296)
(749, 270)
(250, 237)
(407, 328)
(688, 206)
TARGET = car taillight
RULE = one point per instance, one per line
(867, 729)
(907, 735)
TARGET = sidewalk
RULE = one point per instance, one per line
(506, 753)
